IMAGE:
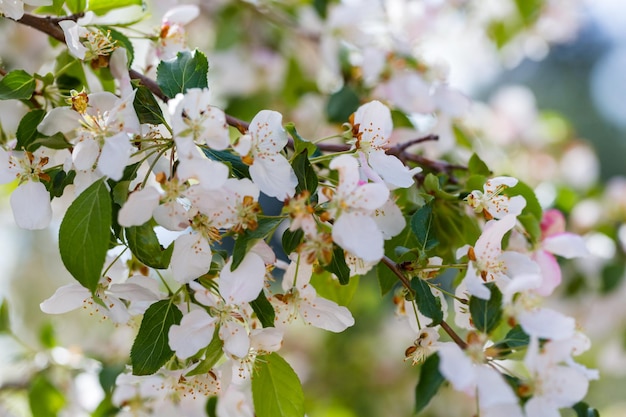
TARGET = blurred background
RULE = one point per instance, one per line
(548, 108)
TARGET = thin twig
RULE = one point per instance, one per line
(457, 339)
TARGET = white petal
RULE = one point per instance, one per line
(211, 174)
(389, 219)
(367, 197)
(267, 131)
(235, 337)
(139, 207)
(392, 170)
(72, 32)
(492, 388)
(474, 284)
(30, 203)
(59, 119)
(489, 244)
(85, 154)
(298, 272)
(67, 298)
(326, 314)
(115, 155)
(375, 124)
(550, 272)
(194, 333)
(274, 176)
(567, 245)
(181, 14)
(359, 235)
(244, 283)
(541, 407)
(348, 168)
(171, 215)
(456, 367)
(547, 324)
(191, 257)
(269, 339)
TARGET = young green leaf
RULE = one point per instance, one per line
(84, 234)
(300, 144)
(487, 314)
(515, 338)
(429, 383)
(330, 288)
(151, 349)
(532, 204)
(264, 310)
(212, 355)
(427, 303)
(187, 70)
(144, 244)
(338, 266)
(476, 166)
(102, 7)
(276, 389)
(422, 227)
(17, 85)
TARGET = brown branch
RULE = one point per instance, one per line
(47, 26)
(457, 339)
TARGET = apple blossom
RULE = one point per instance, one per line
(492, 203)
(260, 148)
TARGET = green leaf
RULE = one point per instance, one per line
(45, 399)
(307, 178)
(429, 383)
(147, 108)
(612, 276)
(84, 234)
(338, 265)
(476, 166)
(17, 85)
(187, 70)
(73, 73)
(583, 410)
(342, 104)
(27, 130)
(264, 310)
(487, 314)
(531, 225)
(56, 8)
(76, 6)
(150, 349)
(144, 244)
(300, 144)
(238, 168)
(532, 204)
(291, 240)
(101, 7)
(529, 10)
(5, 323)
(515, 338)
(247, 239)
(276, 389)
(212, 355)
(59, 179)
(422, 227)
(427, 303)
(47, 336)
(329, 287)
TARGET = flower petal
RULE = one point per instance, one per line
(191, 257)
(392, 170)
(244, 283)
(359, 234)
(274, 176)
(115, 155)
(30, 203)
(194, 333)
(67, 298)
(139, 207)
